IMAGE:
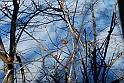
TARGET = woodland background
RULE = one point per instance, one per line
(61, 41)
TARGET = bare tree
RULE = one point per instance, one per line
(72, 49)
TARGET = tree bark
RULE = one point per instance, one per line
(12, 42)
(121, 11)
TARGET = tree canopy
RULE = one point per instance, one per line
(61, 41)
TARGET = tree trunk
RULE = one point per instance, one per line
(10, 78)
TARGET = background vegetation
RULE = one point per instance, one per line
(60, 41)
